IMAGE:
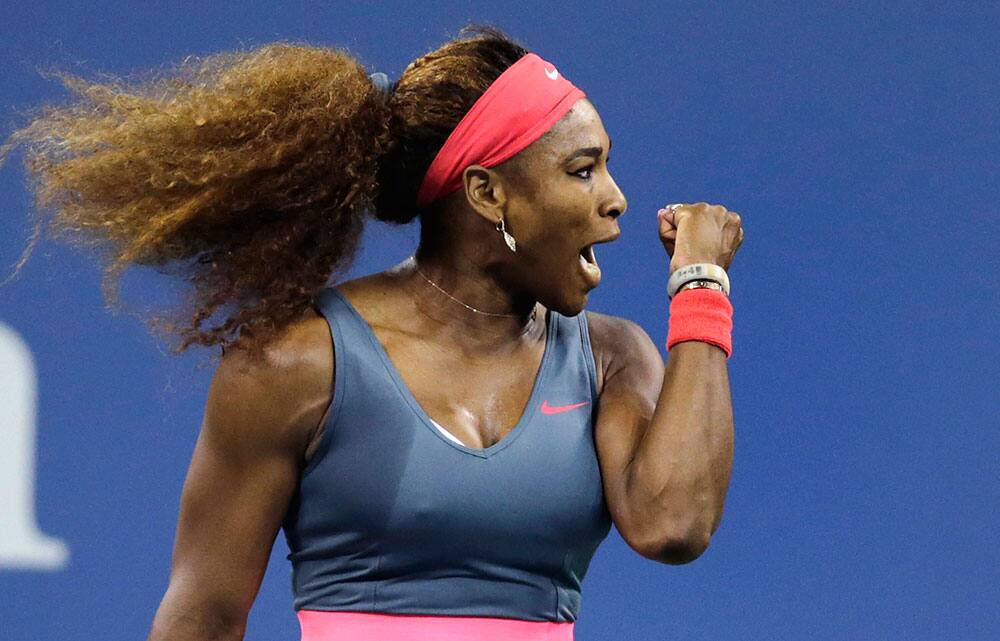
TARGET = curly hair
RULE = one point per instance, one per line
(247, 174)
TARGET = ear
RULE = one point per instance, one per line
(485, 192)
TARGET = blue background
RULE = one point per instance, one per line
(860, 144)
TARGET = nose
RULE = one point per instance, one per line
(616, 204)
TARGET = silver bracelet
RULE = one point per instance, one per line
(697, 271)
(700, 284)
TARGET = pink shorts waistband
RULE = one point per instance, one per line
(374, 626)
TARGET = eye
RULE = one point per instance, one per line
(589, 171)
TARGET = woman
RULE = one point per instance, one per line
(445, 443)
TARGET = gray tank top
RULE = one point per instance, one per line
(392, 516)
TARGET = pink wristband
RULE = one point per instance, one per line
(701, 314)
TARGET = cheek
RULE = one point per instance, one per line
(560, 218)
(553, 223)
(553, 259)
(551, 241)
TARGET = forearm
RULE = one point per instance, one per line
(190, 629)
(679, 475)
(182, 619)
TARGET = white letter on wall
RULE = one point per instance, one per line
(22, 545)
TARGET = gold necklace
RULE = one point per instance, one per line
(469, 307)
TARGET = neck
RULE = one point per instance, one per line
(468, 301)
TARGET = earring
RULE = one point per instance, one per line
(506, 236)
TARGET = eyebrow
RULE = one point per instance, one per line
(589, 151)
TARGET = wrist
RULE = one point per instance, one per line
(701, 284)
(684, 262)
(701, 315)
(697, 272)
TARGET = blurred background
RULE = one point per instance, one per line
(858, 141)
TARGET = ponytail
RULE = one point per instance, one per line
(246, 174)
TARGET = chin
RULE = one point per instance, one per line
(570, 305)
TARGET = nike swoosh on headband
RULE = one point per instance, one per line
(557, 409)
(514, 111)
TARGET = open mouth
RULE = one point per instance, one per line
(588, 262)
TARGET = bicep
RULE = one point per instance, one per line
(243, 474)
(628, 398)
(231, 508)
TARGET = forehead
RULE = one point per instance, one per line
(580, 127)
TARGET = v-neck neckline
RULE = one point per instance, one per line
(528, 413)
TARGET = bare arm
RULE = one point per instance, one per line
(665, 441)
(260, 417)
(684, 461)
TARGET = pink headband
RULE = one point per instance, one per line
(521, 105)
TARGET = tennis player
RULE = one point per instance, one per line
(446, 443)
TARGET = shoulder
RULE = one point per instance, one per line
(295, 355)
(621, 344)
(275, 398)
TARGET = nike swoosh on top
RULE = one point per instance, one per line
(556, 409)
(552, 74)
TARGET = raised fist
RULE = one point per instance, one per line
(699, 233)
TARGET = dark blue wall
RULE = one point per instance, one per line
(860, 145)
